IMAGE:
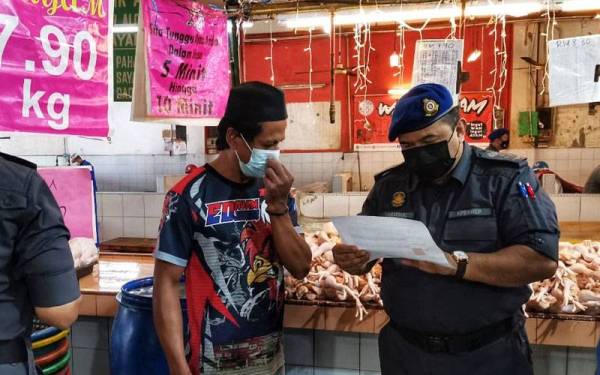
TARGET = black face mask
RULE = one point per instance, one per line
(430, 162)
(504, 145)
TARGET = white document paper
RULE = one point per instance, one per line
(436, 61)
(572, 66)
(390, 237)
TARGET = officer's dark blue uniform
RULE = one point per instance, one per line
(478, 209)
(36, 266)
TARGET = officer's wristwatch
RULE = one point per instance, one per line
(462, 259)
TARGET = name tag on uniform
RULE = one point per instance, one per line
(400, 215)
(470, 212)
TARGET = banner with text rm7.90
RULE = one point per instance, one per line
(54, 66)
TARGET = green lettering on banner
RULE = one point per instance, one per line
(126, 12)
(123, 65)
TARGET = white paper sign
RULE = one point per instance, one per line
(390, 237)
(436, 61)
(572, 63)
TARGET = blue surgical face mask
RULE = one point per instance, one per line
(257, 164)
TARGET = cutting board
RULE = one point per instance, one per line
(128, 245)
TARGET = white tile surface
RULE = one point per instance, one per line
(590, 208)
(151, 227)
(133, 205)
(298, 346)
(562, 154)
(567, 207)
(369, 353)
(153, 205)
(311, 205)
(587, 154)
(337, 350)
(112, 227)
(581, 361)
(575, 165)
(112, 205)
(100, 204)
(134, 227)
(545, 153)
(335, 205)
(574, 154)
(355, 203)
(562, 166)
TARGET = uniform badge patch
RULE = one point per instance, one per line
(430, 107)
(398, 199)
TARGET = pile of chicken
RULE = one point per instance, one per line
(327, 281)
(84, 251)
(575, 287)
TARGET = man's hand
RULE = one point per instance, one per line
(351, 259)
(433, 268)
(278, 182)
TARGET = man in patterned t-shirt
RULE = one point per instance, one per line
(232, 237)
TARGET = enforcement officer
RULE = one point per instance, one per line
(498, 140)
(498, 230)
(36, 265)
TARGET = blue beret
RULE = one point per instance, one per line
(497, 134)
(541, 165)
(420, 107)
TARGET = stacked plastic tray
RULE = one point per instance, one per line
(51, 349)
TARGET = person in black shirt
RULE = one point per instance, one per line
(499, 232)
(37, 274)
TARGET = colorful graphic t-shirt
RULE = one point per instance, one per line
(220, 231)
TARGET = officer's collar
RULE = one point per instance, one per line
(461, 172)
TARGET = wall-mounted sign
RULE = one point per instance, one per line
(186, 59)
(123, 66)
(54, 67)
(476, 108)
(437, 61)
(73, 190)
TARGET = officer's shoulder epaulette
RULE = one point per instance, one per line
(504, 159)
(397, 171)
(19, 161)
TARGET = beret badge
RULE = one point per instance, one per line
(430, 107)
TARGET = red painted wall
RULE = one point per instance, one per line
(291, 64)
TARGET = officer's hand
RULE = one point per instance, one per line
(278, 182)
(351, 259)
(433, 268)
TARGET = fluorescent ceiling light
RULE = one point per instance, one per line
(407, 13)
(398, 92)
(474, 56)
(514, 9)
(125, 28)
(580, 5)
(394, 60)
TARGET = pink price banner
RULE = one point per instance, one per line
(73, 190)
(54, 66)
(187, 59)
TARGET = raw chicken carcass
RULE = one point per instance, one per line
(84, 251)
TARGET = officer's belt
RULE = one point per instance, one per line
(13, 351)
(456, 344)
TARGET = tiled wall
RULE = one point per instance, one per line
(573, 164)
(315, 352)
(138, 172)
(569, 207)
(90, 339)
(129, 214)
(138, 214)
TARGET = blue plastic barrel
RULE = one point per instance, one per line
(134, 345)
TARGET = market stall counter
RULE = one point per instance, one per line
(100, 288)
